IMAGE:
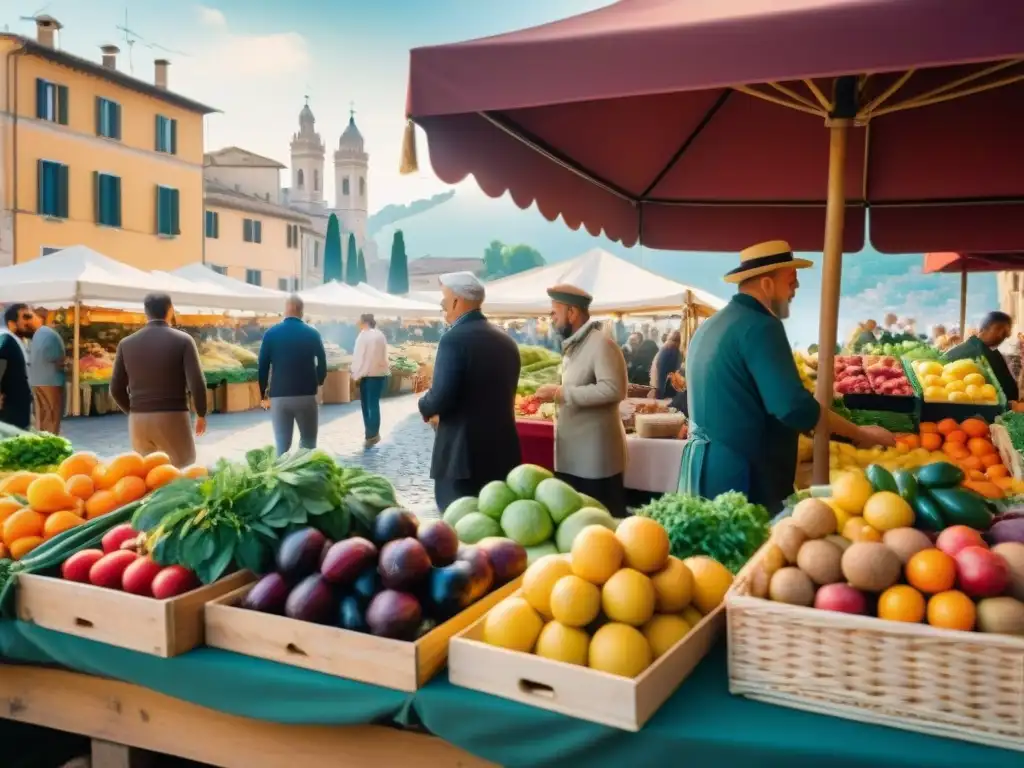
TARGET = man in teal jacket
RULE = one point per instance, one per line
(747, 403)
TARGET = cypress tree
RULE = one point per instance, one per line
(332, 251)
(398, 274)
(351, 261)
(361, 265)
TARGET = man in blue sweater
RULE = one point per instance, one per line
(293, 365)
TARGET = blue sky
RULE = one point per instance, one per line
(256, 59)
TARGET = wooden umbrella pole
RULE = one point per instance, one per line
(831, 274)
(76, 376)
(963, 301)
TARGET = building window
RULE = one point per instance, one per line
(344, 187)
(316, 180)
(166, 135)
(107, 197)
(252, 230)
(212, 225)
(167, 218)
(51, 101)
(218, 269)
(316, 254)
(46, 250)
(108, 118)
(283, 284)
(52, 189)
(253, 277)
(298, 179)
(362, 186)
(293, 235)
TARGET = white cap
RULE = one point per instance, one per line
(465, 285)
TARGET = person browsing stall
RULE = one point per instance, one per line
(747, 405)
(46, 374)
(995, 329)
(370, 368)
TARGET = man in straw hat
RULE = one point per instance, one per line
(472, 396)
(590, 442)
(747, 403)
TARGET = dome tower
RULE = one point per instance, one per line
(351, 164)
(308, 152)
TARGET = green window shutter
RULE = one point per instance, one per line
(62, 191)
(40, 186)
(41, 98)
(62, 104)
(161, 216)
(247, 230)
(116, 117)
(258, 231)
(174, 137)
(216, 224)
(115, 200)
(175, 219)
(97, 197)
(159, 134)
(99, 116)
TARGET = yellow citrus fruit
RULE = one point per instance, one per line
(539, 580)
(596, 554)
(711, 580)
(851, 491)
(562, 643)
(628, 597)
(513, 624)
(620, 649)
(575, 602)
(673, 586)
(644, 544)
(663, 631)
(692, 616)
(886, 510)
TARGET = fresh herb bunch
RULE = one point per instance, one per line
(237, 515)
(728, 528)
(33, 451)
(1014, 423)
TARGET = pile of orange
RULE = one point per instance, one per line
(929, 594)
(968, 445)
(81, 489)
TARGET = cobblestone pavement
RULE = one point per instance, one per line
(403, 455)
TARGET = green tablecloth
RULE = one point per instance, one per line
(701, 725)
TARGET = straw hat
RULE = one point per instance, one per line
(763, 258)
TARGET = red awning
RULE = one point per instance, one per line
(635, 120)
(972, 262)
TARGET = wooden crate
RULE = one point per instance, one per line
(1009, 455)
(961, 685)
(587, 694)
(237, 398)
(337, 388)
(158, 627)
(406, 666)
(254, 394)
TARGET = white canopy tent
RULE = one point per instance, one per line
(409, 307)
(341, 300)
(201, 274)
(618, 287)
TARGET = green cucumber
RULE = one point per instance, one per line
(906, 485)
(961, 506)
(927, 513)
(940, 474)
(881, 479)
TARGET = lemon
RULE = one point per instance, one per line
(974, 378)
(619, 649)
(935, 394)
(596, 554)
(851, 491)
(513, 624)
(692, 616)
(886, 510)
(673, 586)
(958, 397)
(955, 386)
(539, 580)
(628, 597)
(663, 631)
(841, 514)
(711, 580)
(575, 602)
(562, 643)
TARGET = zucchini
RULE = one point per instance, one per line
(881, 479)
(927, 513)
(906, 485)
(940, 474)
(961, 506)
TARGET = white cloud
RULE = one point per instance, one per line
(211, 17)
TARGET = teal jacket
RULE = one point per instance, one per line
(747, 400)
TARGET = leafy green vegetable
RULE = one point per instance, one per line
(33, 451)
(728, 528)
(1014, 423)
(894, 422)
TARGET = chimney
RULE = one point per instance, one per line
(160, 77)
(110, 56)
(46, 29)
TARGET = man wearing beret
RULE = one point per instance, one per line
(472, 396)
(590, 441)
(747, 403)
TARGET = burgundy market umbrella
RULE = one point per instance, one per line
(715, 124)
(964, 263)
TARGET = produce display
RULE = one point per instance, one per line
(531, 407)
(728, 528)
(1013, 422)
(531, 507)
(850, 377)
(844, 456)
(35, 507)
(96, 363)
(807, 367)
(403, 366)
(886, 376)
(32, 451)
(538, 366)
(961, 381)
(910, 348)
(952, 579)
(337, 358)
(863, 417)
(399, 583)
(223, 361)
(615, 603)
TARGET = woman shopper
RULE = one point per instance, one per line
(370, 369)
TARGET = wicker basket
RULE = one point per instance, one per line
(961, 685)
(659, 425)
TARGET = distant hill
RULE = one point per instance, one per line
(873, 283)
(391, 214)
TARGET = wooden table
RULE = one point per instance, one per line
(122, 719)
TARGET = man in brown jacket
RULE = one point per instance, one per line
(155, 370)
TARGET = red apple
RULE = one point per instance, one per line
(956, 537)
(981, 572)
(172, 581)
(116, 536)
(840, 597)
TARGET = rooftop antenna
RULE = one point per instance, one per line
(131, 37)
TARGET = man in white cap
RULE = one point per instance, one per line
(590, 442)
(747, 404)
(472, 396)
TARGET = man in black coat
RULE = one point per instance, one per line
(15, 392)
(472, 397)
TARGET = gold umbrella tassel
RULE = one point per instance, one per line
(409, 164)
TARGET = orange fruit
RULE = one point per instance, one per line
(946, 426)
(955, 451)
(931, 441)
(994, 471)
(100, 503)
(195, 472)
(47, 494)
(928, 428)
(152, 460)
(129, 489)
(59, 522)
(25, 522)
(979, 446)
(974, 427)
(911, 441)
(17, 483)
(971, 463)
(161, 475)
(8, 507)
(21, 547)
(957, 436)
(80, 486)
(81, 463)
(984, 488)
(931, 571)
(951, 610)
(975, 474)
(100, 479)
(1004, 484)
(901, 603)
(990, 460)
(128, 464)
